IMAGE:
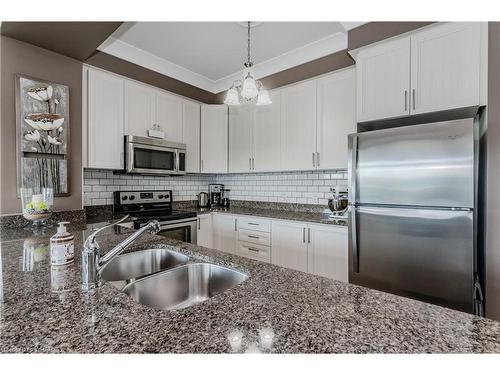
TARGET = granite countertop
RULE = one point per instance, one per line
(292, 215)
(45, 310)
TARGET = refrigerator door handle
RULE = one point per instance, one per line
(354, 240)
(478, 298)
(352, 162)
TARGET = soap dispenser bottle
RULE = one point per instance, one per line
(62, 246)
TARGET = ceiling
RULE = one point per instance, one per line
(210, 55)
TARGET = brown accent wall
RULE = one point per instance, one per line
(492, 282)
(74, 39)
(326, 64)
(19, 57)
(375, 31)
(116, 65)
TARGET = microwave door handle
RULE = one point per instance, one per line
(129, 157)
(177, 161)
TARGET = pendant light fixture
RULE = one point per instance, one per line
(248, 91)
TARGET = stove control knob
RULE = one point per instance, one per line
(132, 197)
(160, 196)
(124, 198)
(167, 196)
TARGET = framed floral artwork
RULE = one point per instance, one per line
(43, 134)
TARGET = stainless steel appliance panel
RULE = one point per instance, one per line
(420, 165)
(181, 230)
(153, 156)
(422, 253)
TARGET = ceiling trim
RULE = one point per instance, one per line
(312, 51)
(126, 51)
(322, 47)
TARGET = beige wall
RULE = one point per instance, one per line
(22, 58)
(493, 176)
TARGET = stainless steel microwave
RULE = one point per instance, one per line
(154, 156)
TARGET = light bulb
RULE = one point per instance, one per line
(263, 98)
(232, 97)
(249, 90)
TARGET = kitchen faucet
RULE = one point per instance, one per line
(93, 265)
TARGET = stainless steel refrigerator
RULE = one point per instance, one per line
(412, 212)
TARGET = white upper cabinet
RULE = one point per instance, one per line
(105, 125)
(214, 138)
(336, 118)
(140, 108)
(117, 106)
(241, 122)
(383, 80)
(298, 126)
(267, 135)
(191, 135)
(289, 245)
(327, 251)
(169, 115)
(437, 68)
(445, 67)
(146, 106)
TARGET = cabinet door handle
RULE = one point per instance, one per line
(199, 223)
(252, 224)
(313, 160)
(413, 98)
(202, 165)
(235, 225)
(252, 249)
(406, 100)
(317, 159)
(308, 235)
(253, 164)
(252, 236)
(304, 235)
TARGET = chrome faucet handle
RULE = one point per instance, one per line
(91, 243)
(153, 226)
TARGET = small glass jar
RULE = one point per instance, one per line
(37, 206)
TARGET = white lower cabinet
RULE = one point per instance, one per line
(289, 245)
(204, 230)
(225, 233)
(253, 251)
(320, 249)
(327, 251)
(317, 249)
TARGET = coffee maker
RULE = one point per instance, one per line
(225, 198)
(215, 195)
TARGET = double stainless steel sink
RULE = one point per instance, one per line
(162, 279)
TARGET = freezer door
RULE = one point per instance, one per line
(425, 254)
(421, 165)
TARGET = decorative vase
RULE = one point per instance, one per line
(37, 207)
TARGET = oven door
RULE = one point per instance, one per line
(182, 230)
(149, 159)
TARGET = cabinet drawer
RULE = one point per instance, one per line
(263, 225)
(253, 251)
(260, 238)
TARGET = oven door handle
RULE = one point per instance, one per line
(177, 224)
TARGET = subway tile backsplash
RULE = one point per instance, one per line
(310, 187)
(99, 185)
